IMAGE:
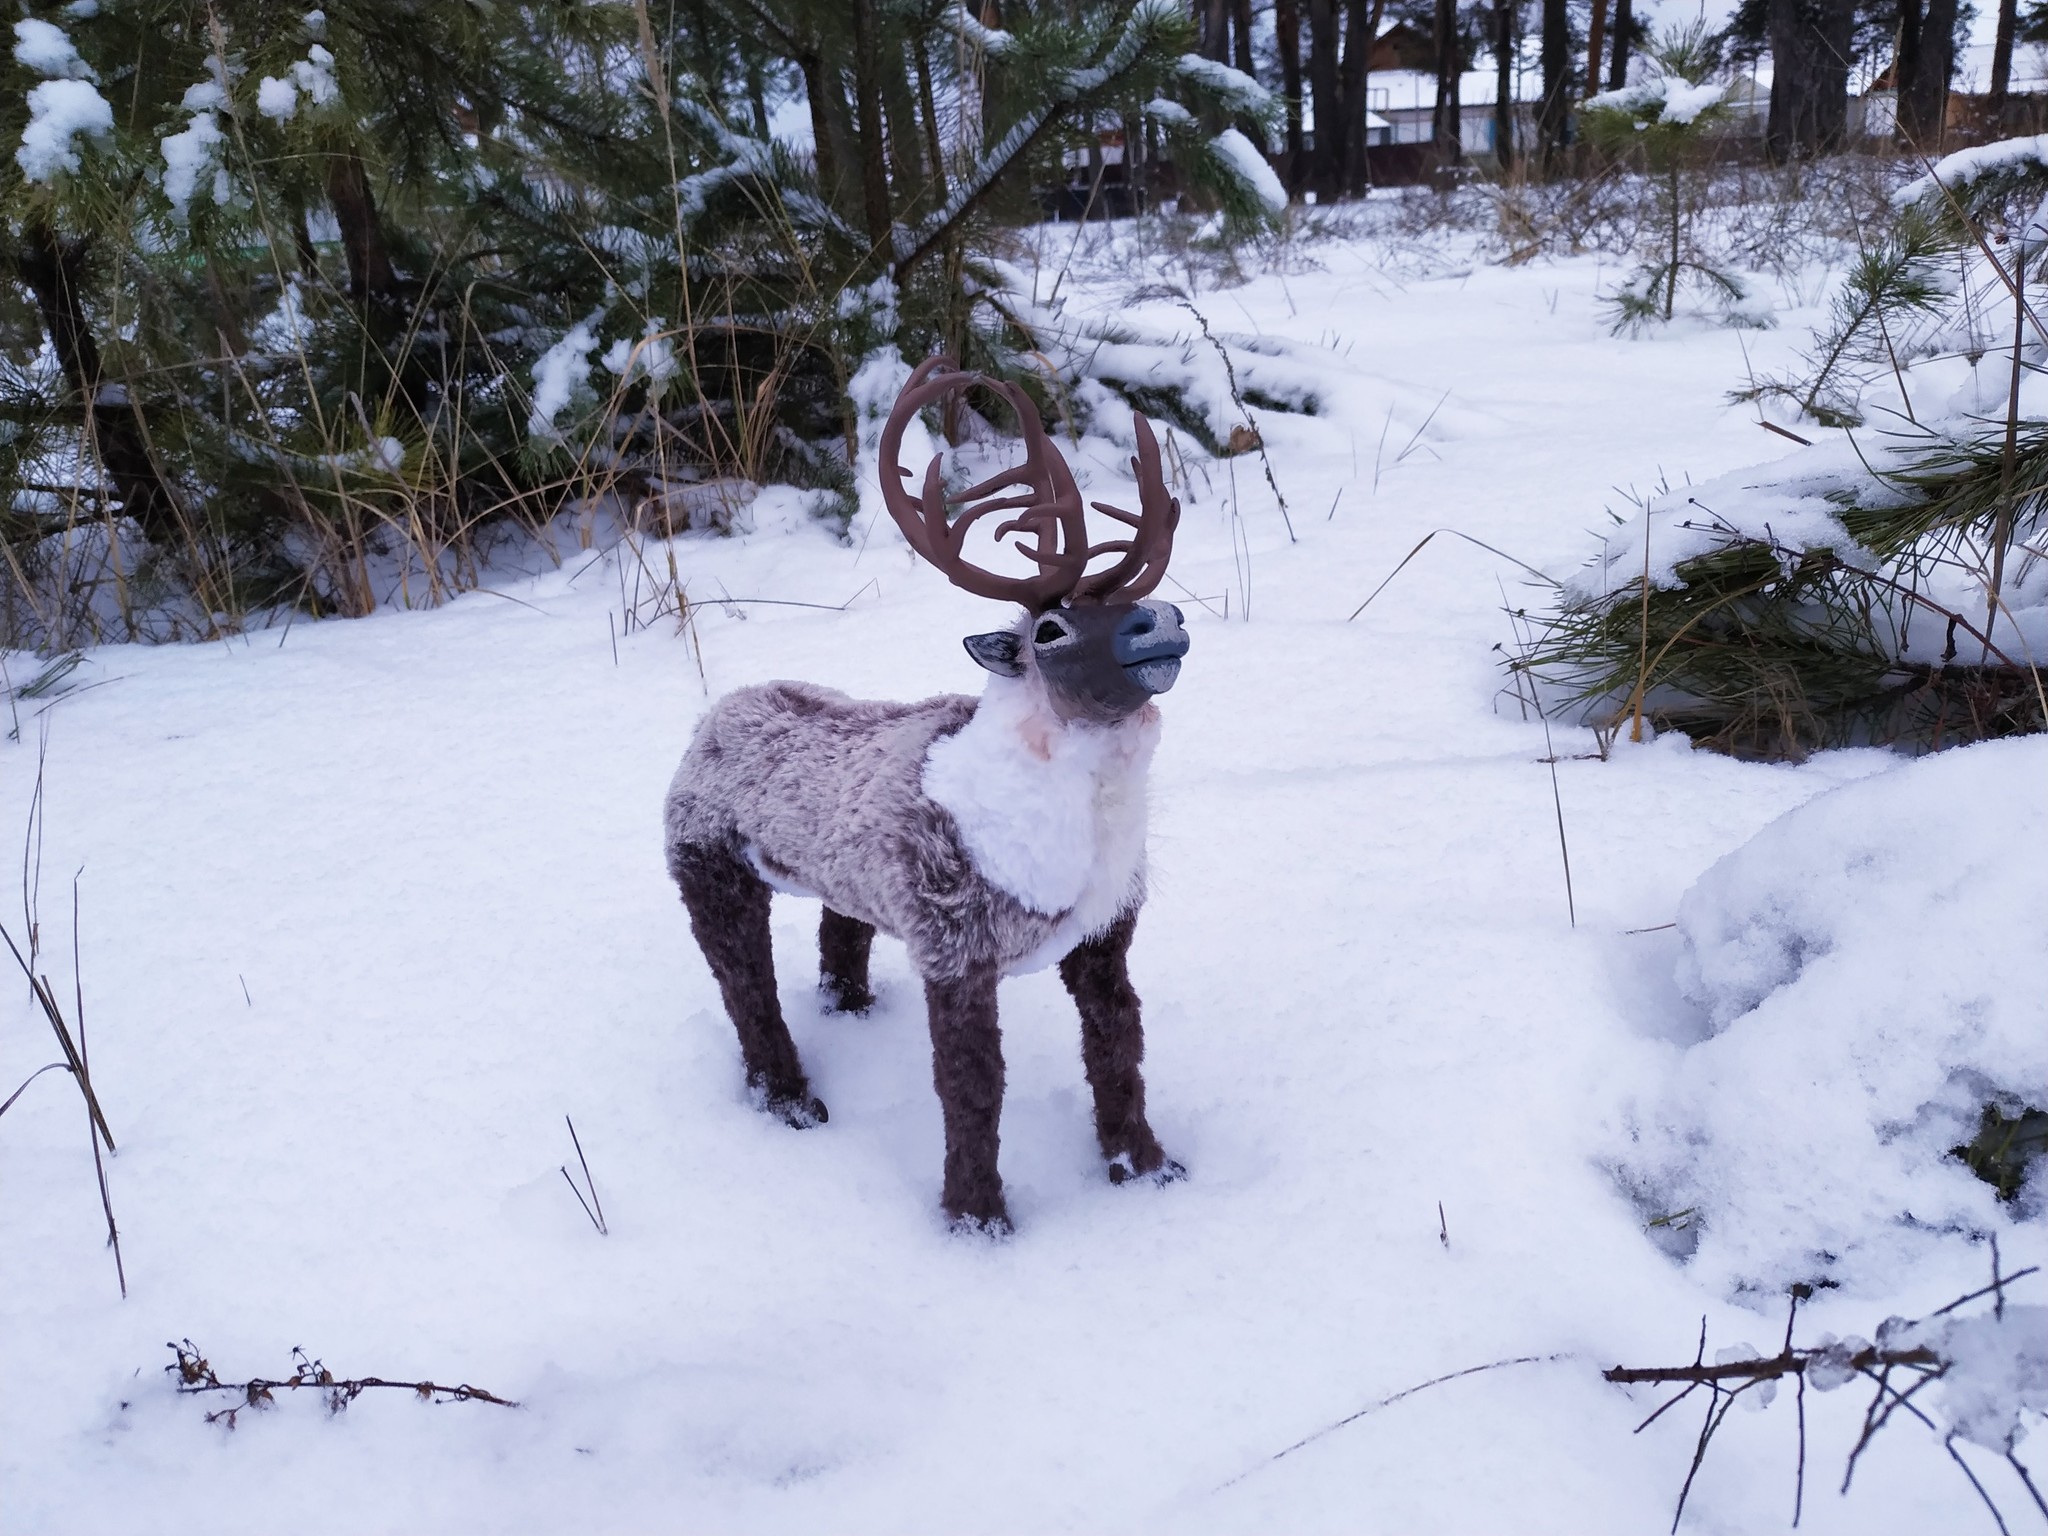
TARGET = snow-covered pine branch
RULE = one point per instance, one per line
(1151, 28)
(1232, 88)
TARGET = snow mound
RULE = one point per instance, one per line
(1868, 971)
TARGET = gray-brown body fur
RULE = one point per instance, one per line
(825, 793)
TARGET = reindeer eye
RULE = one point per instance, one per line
(1047, 632)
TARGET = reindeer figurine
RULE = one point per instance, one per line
(992, 836)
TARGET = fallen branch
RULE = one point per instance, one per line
(196, 1374)
(1826, 1367)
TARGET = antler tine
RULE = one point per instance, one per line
(1053, 501)
(1150, 546)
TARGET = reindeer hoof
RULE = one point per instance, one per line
(855, 1000)
(993, 1227)
(797, 1111)
(1123, 1170)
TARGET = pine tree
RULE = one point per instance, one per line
(305, 303)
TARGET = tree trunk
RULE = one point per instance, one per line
(1216, 30)
(1810, 46)
(1361, 26)
(51, 270)
(1923, 95)
(1241, 37)
(1596, 34)
(1504, 83)
(867, 104)
(1906, 62)
(1287, 34)
(2001, 56)
(1326, 164)
(906, 149)
(1624, 36)
(757, 98)
(370, 274)
(1446, 120)
(830, 134)
(1554, 113)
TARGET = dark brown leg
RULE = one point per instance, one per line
(728, 906)
(843, 944)
(1112, 1046)
(967, 1069)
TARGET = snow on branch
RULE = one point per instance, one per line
(43, 47)
(1242, 160)
(58, 112)
(2021, 156)
(1233, 88)
(975, 33)
(1659, 99)
(762, 162)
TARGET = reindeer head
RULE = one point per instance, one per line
(1100, 648)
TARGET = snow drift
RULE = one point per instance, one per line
(1867, 978)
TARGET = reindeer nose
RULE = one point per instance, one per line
(1151, 631)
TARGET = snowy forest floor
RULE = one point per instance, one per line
(368, 907)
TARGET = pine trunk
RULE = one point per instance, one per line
(370, 273)
(1326, 166)
(1810, 48)
(2001, 55)
(1446, 120)
(1596, 34)
(1504, 83)
(1287, 36)
(1923, 94)
(51, 269)
(1624, 31)
(832, 135)
(1554, 114)
(868, 126)
(906, 148)
(1361, 26)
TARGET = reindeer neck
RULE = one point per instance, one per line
(1046, 806)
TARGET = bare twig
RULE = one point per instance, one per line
(1948, 1444)
(195, 1374)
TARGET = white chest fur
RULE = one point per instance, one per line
(1052, 813)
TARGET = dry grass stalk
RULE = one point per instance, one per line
(75, 1061)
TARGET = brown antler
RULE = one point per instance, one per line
(1047, 504)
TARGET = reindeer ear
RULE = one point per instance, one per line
(1000, 651)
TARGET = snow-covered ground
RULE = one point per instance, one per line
(367, 908)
